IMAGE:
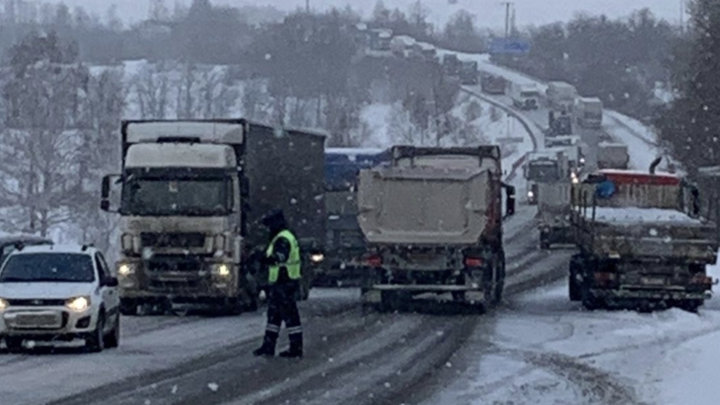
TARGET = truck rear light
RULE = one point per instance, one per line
(701, 279)
(373, 260)
(605, 279)
(473, 262)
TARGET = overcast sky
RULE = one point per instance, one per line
(489, 12)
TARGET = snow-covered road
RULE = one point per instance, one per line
(543, 349)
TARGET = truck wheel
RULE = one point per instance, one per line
(544, 243)
(128, 307)
(691, 305)
(500, 279)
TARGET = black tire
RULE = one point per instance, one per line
(691, 305)
(574, 290)
(112, 339)
(589, 302)
(128, 307)
(95, 340)
(13, 344)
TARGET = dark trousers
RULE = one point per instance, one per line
(282, 307)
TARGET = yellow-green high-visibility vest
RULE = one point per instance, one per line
(292, 264)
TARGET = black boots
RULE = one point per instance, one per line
(296, 345)
(264, 351)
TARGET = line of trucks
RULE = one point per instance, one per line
(409, 220)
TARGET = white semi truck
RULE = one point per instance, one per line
(525, 96)
(192, 197)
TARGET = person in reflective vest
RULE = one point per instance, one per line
(283, 260)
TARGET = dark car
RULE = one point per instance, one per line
(10, 242)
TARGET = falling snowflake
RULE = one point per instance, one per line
(213, 387)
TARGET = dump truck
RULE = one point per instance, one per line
(612, 156)
(642, 242)
(525, 96)
(561, 96)
(433, 224)
(553, 201)
(559, 124)
(345, 243)
(544, 167)
(491, 84)
(469, 73)
(588, 112)
(193, 194)
(572, 147)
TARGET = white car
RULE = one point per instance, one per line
(59, 293)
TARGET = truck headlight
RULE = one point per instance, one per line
(317, 258)
(126, 242)
(3, 304)
(222, 270)
(126, 269)
(78, 304)
(220, 242)
(531, 194)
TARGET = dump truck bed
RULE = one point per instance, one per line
(645, 233)
(424, 205)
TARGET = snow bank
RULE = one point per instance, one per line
(630, 215)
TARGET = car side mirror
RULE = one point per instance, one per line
(111, 282)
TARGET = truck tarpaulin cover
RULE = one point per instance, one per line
(423, 205)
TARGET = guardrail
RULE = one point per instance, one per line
(527, 125)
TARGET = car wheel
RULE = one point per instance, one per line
(95, 341)
(112, 340)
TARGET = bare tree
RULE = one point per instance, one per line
(150, 88)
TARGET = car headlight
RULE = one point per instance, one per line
(125, 269)
(317, 257)
(531, 194)
(222, 270)
(3, 304)
(78, 304)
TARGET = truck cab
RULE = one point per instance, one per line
(543, 167)
(192, 198)
(469, 73)
(525, 96)
(589, 112)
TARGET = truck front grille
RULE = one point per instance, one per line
(173, 240)
(159, 264)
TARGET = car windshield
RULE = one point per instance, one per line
(48, 267)
(201, 197)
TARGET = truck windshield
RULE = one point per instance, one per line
(48, 267)
(162, 197)
(543, 172)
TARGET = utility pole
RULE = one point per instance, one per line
(682, 15)
(509, 6)
(307, 6)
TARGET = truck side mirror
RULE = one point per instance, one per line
(106, 190)
(105, 187)
(509, 201)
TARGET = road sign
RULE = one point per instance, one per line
(509, 46)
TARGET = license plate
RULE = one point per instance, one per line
(653, 281)
(44, 320)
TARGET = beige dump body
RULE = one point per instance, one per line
(424, 205)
